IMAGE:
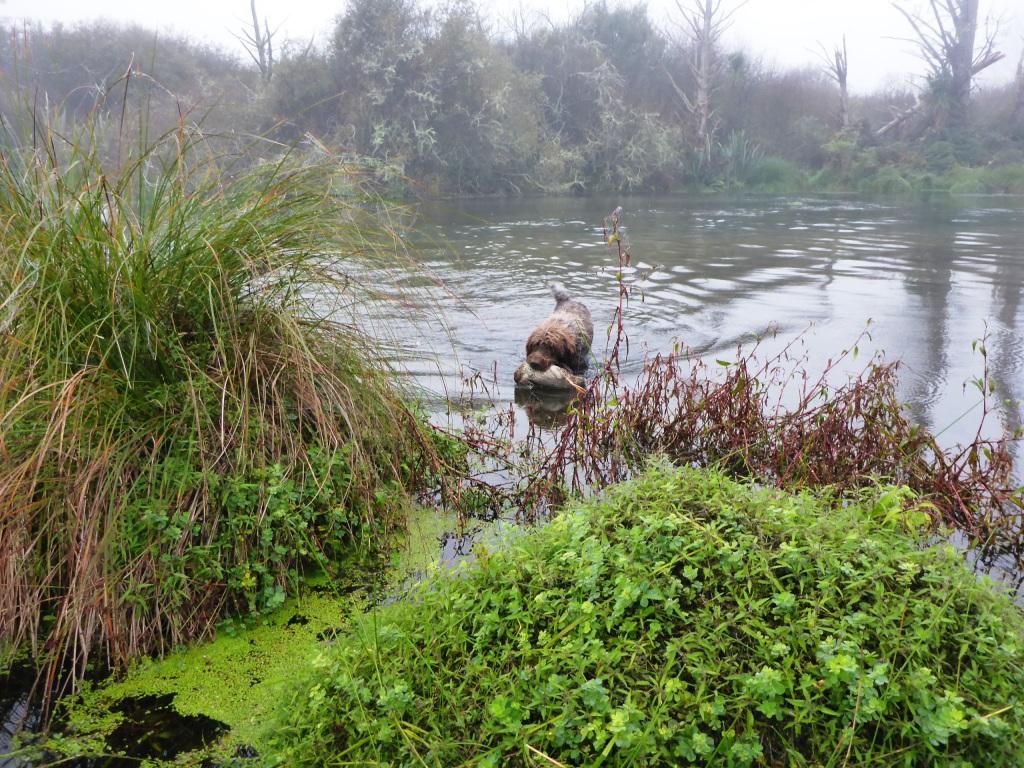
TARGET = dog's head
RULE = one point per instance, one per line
(551, 342)
(540, 359)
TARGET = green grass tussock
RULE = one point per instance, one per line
(776, 175)
(682, 619)
(996, 179)
(188, 408)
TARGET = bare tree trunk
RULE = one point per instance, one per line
(898, 119)
(842, 70)
(838, 68)
(703, 23)
(946, 39)
(844, 107)
(258, 41)
(961, 58)
(1017, 118)
(704, 84)
(259, 44)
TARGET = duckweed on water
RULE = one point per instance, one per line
(682, 619)
(239, 678)
(234, 679)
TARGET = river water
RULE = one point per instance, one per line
(926, 279)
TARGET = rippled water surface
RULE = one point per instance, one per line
(929, 277)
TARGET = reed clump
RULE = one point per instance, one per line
(189, 409)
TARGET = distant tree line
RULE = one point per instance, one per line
(437, 101)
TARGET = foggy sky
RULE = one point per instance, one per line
(786, 32)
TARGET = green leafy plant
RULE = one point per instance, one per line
(682, 619)
(739, 156)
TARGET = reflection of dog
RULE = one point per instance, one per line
(547, 409)
(564, 338)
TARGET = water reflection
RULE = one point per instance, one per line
(929, 280)
(16, 712)
(547, 410)
(1007, 362)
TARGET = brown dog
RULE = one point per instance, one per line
(564, 338)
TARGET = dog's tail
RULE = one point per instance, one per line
(561, 294)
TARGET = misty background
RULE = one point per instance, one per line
(518, 97)
(782, 32)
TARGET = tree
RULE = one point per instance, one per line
(568, 65)
(259, 44)
(837, 68)
(703, 23)
(946, 37)
(1017, 119)
(81, 67)
(630, 43)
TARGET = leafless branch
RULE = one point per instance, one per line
(259, 44)
(898, 119)
(837, 68)
(946, 39)
(702, 24)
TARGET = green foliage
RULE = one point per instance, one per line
(842, 151)
(301, 93)
(630, 43)
(624, 150)
(967, 181)
(1008, 179)
(427, 95)
(189, 410)
(997, 179)
(775, 174)
(940, 156)
(682, 619)
(887, 181)
(436, 102)
(1012, 156)
(738, 156)
(906, 168)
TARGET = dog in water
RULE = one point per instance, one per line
(563, 340)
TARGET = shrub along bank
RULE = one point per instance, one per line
(189, 412)
(682, 618)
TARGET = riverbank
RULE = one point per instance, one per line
(682, 618)
(863, 175)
